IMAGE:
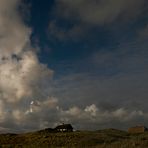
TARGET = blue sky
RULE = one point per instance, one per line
(69, 40)
(82, 62)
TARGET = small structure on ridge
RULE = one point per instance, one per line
(64, 128)
(137, 129)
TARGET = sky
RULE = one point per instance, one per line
(83, 62)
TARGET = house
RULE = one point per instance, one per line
(64, 128)
(137, 129)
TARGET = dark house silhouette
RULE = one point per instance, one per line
(64, 128)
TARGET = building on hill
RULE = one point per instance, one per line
(137, 129)
(64, 128)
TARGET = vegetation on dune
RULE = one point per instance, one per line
(109, 138)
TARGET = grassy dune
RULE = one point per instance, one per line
(109, 138)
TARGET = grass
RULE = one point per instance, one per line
(108, 138)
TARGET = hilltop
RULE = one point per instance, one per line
(110, 138)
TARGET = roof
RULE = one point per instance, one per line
(138, 127)
(64, 126)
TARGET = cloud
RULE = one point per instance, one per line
(114, 81)
(14, 35)
(74, 33)
(93, 117)
(26, 101)
(86, 19)
(22, 77)
(100, 12)
(143, 33)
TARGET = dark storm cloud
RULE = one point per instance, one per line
(100, 12)
(73, 33)
(143, 33)
(84, 15)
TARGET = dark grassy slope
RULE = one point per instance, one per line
(109, 138)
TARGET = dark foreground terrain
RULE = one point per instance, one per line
(109, 138)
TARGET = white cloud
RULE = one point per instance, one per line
(22, 77)
(93, 117)
(91, 109)
(21, 74)
(14, 35)
(37, 106)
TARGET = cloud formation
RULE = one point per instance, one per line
(14, 35)
(82, 16)
(100, 12)
(26, 101)
(22, 76)
(114, 81)
(92, 117)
